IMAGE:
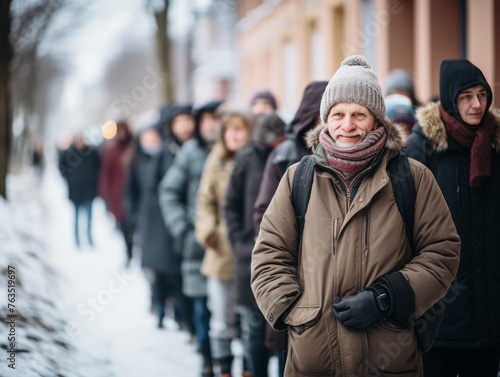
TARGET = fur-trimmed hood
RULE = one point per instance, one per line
(396, 140)
(429, 120)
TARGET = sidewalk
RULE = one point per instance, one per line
(108, 304)
(103, 307)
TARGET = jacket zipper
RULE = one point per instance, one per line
(366, 230)
(335, 234)
(349, 187)
(348, 197)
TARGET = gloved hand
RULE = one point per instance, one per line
(358, 311)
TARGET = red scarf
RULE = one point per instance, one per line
(478, 140)
(347, 162)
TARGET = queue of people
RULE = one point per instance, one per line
(208, 196)
(350, 295)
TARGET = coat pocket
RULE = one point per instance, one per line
(393, 349)
(309, 342)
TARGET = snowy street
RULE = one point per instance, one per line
(94, 318)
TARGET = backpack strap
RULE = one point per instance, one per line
(403, 186)
(402, 181)
(301, 190)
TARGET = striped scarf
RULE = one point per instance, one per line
(349, 161)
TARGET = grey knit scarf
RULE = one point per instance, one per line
(348, 162)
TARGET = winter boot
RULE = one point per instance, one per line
(224, 366)
(245, 372)
(160, 312)
(160, 323)
(207, 367)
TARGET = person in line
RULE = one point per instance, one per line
(262, 102)
(176, 125)
(161, 256)
(211, 233)
(178, 196)
(400, 110)
(79, 165)
(249, 165)
(349, 290)
(400, 81)
(280, 159)
(291, 150)
(458, 138)
(116, 159)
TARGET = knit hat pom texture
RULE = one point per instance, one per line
(354, 60)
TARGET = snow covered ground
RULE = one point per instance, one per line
(81, 312)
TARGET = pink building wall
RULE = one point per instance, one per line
(414, 35)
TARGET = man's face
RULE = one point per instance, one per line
(183, 127)
(349, 123)
(471, 104)
(209, 127)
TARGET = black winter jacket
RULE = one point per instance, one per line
(80, 168)
(160, 251)
(472, 316)
(241, 193)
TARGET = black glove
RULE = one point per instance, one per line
(363, 309)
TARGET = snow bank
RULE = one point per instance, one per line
(38, 339)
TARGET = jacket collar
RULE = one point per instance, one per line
(432, 126)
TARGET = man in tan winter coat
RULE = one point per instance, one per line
(349, 290)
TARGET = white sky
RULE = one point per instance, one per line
(105, 28)
(91, 37)
(86, 35)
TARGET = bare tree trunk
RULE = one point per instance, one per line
(163, 48)
(5, 109)
(27, 100)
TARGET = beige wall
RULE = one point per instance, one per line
(414, 35)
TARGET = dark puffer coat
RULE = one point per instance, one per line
(178, 193)
(160, 251)
(178, 196)
(238, 209)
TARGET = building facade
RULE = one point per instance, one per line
(285, 44)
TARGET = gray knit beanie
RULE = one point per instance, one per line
(354, 81)
(399, 79)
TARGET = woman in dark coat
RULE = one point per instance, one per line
(269, 131)
(79, 165)
(161, 254)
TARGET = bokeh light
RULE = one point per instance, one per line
(108, 130)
